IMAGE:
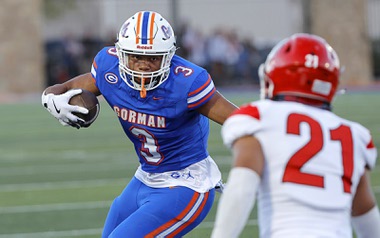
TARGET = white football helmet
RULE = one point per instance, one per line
(145, 33)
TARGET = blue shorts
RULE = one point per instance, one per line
(142, 211)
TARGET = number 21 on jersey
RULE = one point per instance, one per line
(306, 153)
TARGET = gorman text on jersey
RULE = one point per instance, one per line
(140, 118)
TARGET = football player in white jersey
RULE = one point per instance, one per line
(307, 167)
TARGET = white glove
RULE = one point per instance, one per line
(59, 107)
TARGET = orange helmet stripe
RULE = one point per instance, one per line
(151, 28)
(138, 27)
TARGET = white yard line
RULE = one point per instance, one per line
(210, 224)
(61, 185)
(96, 231)
(55, 207)
(62, 168)
(51, 234)
(72, 206)
(76, 184)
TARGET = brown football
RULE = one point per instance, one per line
(88, 100)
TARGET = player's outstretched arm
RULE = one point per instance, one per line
(218, 108)
(239, 195)
(83, 81)
(365, 212)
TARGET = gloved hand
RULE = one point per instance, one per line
(59, 107)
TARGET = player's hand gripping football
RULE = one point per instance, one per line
(59, 107)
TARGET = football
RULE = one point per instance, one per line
(87, 100)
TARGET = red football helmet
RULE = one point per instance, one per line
(302, 65)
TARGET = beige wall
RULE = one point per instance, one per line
(21, 52)
(343, 24)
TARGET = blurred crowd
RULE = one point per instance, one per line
(67, 57)
(229, 59)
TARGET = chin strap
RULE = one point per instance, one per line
(143, 90)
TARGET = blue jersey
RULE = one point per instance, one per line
(166, 130)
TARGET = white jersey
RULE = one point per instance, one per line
(313, 162)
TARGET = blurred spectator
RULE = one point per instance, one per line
(193, 42)
(248, 64)
(91, 45)
(232, 55)
(217, 48)
(181, 34)
(73, 54)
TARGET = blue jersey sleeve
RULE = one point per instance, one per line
(102, 61)
(201, 91)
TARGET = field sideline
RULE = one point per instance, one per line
(59, 182)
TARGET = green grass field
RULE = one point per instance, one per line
(59, 182)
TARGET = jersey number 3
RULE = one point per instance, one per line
(150, 149)
(342, 134)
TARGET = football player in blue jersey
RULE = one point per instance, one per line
(164, 104)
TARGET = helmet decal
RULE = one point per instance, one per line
(311, 61)
(167, 31)
(321, 87)
(124, 29)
